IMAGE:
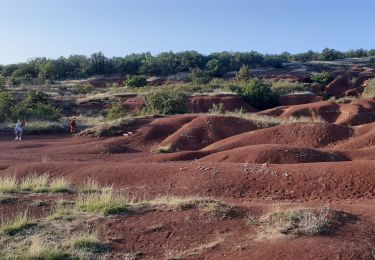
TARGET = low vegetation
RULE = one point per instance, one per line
(17, 224)
(321, 78)
(136, 81)
(166, 101)
(283, 87)
(8, 184)
(106, 202)
(369, 90)
(116, 111)
(296, 222)
(35, 183)
(88, 243)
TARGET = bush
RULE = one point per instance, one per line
(321, 78)
(282, 87)
(136, 81)
(369, 90)
(243, 74)
(199, 76)
(36, 106)
(83, 89)
(166, 101)
(116, 112)
(259, 95)
(6, 102)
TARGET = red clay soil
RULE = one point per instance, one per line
(205, 130)
(293, 177)
(326, 110)
(273, 153)
(201, 104)
(358, 112)
(309, 135)
(134, 104)
(349, 83)
(298, 99)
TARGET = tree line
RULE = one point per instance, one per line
(40, 70)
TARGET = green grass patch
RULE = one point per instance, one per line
(17, 224)
(8, 184)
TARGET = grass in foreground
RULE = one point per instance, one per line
(61, 212)
(19, 223)
(106, 202)
(8, 184)
(89, 243)
(89, 186)
(59, 185)
(35, 183)
(299, 222)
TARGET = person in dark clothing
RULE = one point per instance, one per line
(73, 126)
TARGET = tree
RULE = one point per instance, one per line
(243, 74)
(199, 76)
(136, 81)
(259, 95)
(6, 101)
(331, 54)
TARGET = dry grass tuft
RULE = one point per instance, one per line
(106, 202)
(59, 185)
(89, 186)
(35, 183)
(17, 224)
(297, 222)
(8, 184)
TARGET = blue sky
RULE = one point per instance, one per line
(52, 28)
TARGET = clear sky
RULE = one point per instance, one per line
(52, 28)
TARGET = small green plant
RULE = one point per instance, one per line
(89, 186)
(136, 81)
(59, 185)
(89, 243)
(8, 184)
(105, 202)
(216, 108)
(35, 183)
(116, 111)
(84, 89)
(283, 87)
(62, 211)
(163, 149)
(321, 78)
(19, 223)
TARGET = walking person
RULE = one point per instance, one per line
(73, 126)
(18, 131)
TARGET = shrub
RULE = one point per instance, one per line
(369, 90)
(216, 108)
(243, 74)
(166, 101)
(199, 76)
(259, 95)
(282, 87)
(116, 111)
(136, 81)
(6, 101)
(83, 89)
(321, 78)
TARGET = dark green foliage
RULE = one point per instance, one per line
(6, 102)
(83, 89)
(259, 95)
(36, 106)
(199, 76)
(166, 101)
(115, 112)
(38, 70)
(136, 81)
(321, 78)
(243, 74)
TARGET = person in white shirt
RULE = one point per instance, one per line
(18, 130)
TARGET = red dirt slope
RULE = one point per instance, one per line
(272, 153)
(297, 134)
(205, 130)
(298, 99)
